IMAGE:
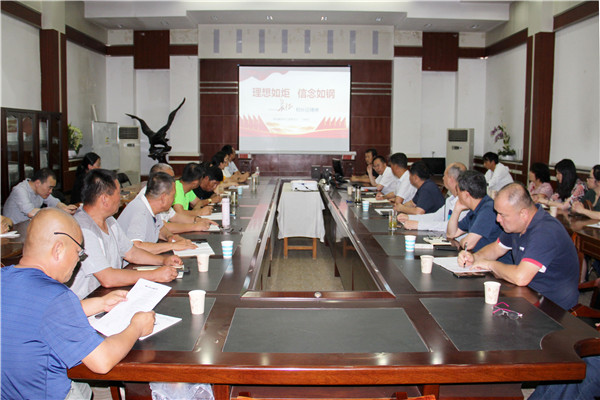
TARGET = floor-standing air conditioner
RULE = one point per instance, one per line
(129, 143)
(459, 147)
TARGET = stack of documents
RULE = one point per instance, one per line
(201, 248)
(144, 296)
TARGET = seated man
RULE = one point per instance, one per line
(45, 329)
(210, 179)
(27, 197)
(231, 168)
(544, 255)
(220, 161)
(403, 191)
(370, 155)
(438, 220)
(497, 174)
(107, 244)
(140, 222)
(177, 222)
(186, 202)
(480, 223)
(428, 197)
(386, 181)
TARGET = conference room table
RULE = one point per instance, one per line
(391, 325)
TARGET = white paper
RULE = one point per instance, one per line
(438, 240)
(161, 322)
(144, 296)
(244, 186)
(366, 188)
(11, 234)
(423, 246)
(201, 248)
(213, 228)
(374, 200)
(216, 215)
(383, 211)
(596, 225)
(451, 264)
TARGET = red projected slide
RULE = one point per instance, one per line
(294, 109)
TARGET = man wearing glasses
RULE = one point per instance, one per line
(108, 244)
(45, 329)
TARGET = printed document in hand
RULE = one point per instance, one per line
(451, 264)
(144, 296)
(201, 248)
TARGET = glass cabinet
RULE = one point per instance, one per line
(30, 140)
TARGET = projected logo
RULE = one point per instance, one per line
(332, 128)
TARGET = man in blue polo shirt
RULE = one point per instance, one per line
(45, 329)
(480, 223)
(428, 197)
(545, 258)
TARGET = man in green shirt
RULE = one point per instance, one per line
(186, 202)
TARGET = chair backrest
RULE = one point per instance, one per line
(122, 178)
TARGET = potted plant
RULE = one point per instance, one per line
(499, 133)
(75, 139)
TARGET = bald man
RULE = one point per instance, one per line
(45, 329)
(544, 255)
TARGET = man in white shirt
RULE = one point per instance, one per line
(27, 197)
(403, 190)
(497, 175)
(386, 181)
(438, 221)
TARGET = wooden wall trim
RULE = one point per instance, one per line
(408, 51)
(120, 50)
(49, 56)
(507, 43)
(542, 89)
(183, 50)
(471, 52)
(83, 40)
(527, 110)
(576, 14)
(22, 13)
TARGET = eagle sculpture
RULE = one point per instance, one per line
(159, 146)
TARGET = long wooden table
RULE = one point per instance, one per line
(431, 330)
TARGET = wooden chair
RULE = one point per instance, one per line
(589, 314)
(287, 247)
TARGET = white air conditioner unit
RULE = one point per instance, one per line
(459, 147)
(129, 150)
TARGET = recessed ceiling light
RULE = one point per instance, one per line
(214, 18)
(323, 18)
(269, 18)
(427, 26)
(378, 19)
(475, 26)
(164, 23)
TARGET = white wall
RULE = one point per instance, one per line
(505, 97)
(184, 133)
(86, 85)
(406, 106)
(438, 110)
(470, 91)
(575, 106)
(21, 71)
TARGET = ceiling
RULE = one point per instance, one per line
(427, 16)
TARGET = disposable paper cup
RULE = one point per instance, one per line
(553, 211)
(240, 190)
(426, 264)
(365, 205)
(409, 242)
(197, 301)
(350, 190)
(227, 246)
(202, 262)
(492, 290)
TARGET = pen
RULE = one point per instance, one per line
(465, 249)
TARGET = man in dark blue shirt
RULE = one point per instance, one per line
(479, 224)
(545, 258)
(428, 197)
(45, 329)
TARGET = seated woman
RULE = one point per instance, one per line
(90, 161)
(220, 160)
(539, 182)
(592, 195)
(570, 188)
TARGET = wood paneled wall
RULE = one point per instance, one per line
(370, 111)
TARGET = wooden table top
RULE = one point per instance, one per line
(443, 362)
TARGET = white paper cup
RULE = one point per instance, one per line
(350, 190)
(426, 264)
(553, 211)
(240, 190)
(202, 262)
(409, 242)
(197, 301)
(492, 290)
(365, 205)
(227, 246)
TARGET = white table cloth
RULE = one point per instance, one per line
(300, 214)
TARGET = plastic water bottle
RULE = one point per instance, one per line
(257, 173)
(226, 212)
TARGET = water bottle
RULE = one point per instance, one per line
(257, 173)
(226, 212)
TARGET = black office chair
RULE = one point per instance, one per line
(122, 178)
